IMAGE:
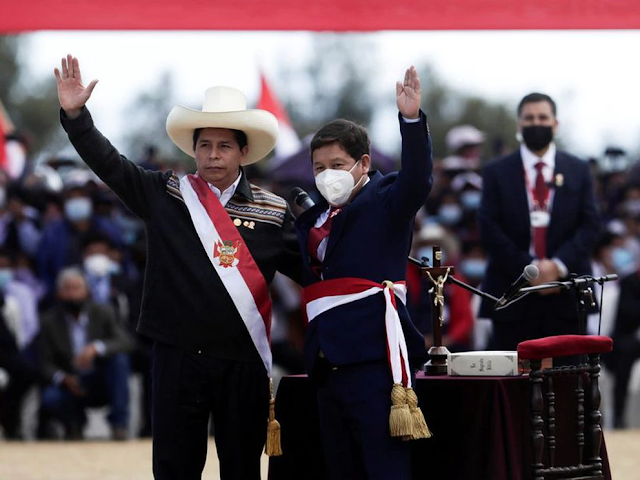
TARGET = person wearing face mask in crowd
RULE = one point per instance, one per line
(102, 272)
(108, 285)
(537, 208)
(468, 188)
(62, 239)
(458, 314)
(450, 211)
(19, 314)
(21, 230)
(619, 258)
(354, 245)
(84, 358)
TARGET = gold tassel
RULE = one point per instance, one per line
(400, 423)
(273, 447)
(420, 428)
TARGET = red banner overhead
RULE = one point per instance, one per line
(335, 15)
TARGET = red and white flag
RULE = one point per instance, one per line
(13, 153)
(288, 141)
(6, 127)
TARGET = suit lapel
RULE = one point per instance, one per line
(518, 193)
(560, 192)
(339, 221)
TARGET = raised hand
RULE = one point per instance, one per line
(72, 94)
(408, 94)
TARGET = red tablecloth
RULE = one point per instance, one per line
(480, 429)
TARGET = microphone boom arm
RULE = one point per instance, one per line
(455, 281)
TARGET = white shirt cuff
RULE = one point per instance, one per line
(410, 120)
(563, 271)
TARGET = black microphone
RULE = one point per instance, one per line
(529, 273)
(301, 198)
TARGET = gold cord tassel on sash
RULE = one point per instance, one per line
(419, 424)
(273, 447)
(400, 423)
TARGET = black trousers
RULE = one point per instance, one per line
(186, 389)
(353, 407)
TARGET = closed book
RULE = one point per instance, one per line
(483, 363)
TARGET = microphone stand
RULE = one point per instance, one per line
(455, 281)
(439, 275)
(583, 292)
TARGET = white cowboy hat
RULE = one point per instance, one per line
(224, 107)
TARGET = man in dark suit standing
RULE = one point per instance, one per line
(360, 337)
(537, 208)
(84, 356)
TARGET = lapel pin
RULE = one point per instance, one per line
(559, 179)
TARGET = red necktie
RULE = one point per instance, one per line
(540, 198)
(316, 235)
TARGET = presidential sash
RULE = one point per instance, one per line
(229, 255)
(405, 419)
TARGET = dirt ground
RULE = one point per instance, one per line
(98, 460)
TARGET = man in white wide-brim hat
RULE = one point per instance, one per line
(214, 243)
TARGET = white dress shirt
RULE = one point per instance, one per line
(229, 191)
(529, 161)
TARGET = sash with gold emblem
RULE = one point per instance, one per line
(232, 261)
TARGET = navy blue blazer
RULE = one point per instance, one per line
(506, 229)
(371, 239)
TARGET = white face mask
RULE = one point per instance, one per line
(78, 208)
(336, 186)
(98, 264)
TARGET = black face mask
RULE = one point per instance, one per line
(73, 307)
(537, 137)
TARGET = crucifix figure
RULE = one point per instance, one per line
(437, 275)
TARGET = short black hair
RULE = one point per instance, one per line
(241, 137)
(97, 237)
(535, 98)
(353, 138)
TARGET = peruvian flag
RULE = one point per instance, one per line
(13, 153)
(6, 127)
(288, 141)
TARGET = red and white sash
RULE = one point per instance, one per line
(323, 296)
(232, 261)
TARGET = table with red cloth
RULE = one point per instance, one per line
(480, 429)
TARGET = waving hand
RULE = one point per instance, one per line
(408, 94)
(72, 94)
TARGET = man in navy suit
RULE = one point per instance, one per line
(360, 337)
(537, 208)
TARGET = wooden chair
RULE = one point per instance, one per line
(543, 402)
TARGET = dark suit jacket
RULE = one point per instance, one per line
(506, 229)
(56, 351)
(370, 239)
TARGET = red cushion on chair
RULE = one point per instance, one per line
(564, 345)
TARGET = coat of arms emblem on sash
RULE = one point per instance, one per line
(227, 253)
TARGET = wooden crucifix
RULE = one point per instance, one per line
(437, 275)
